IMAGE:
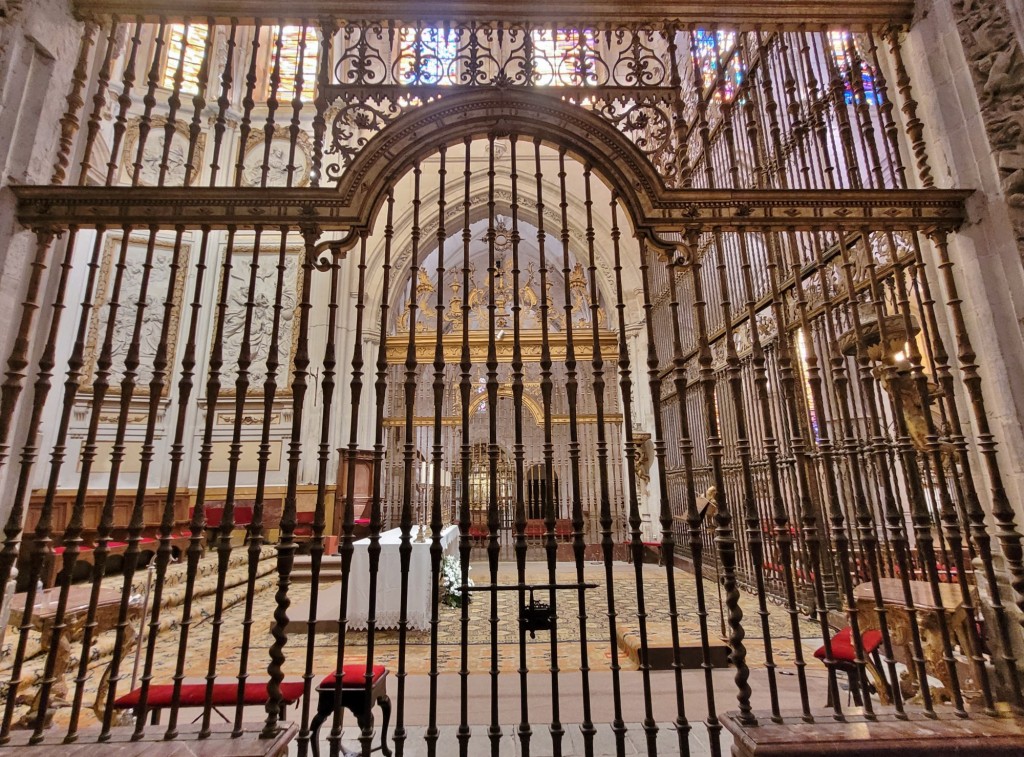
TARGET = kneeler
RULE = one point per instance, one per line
(161, 697)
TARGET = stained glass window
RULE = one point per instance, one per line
(564, 57)
(292, 40)
(427, 56)
(711, 49)
(193, 40)
(840, 43)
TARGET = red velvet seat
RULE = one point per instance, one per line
(844, 657)
(243, 515)
(534, 528)
(224, 694)
(60, 550)
(353, 675)
(842, 645)
(304, 523)
(161, 696)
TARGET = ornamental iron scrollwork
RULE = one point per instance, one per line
(382, 70)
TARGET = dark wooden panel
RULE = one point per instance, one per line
(918, 736)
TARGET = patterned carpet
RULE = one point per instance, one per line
(538, 651)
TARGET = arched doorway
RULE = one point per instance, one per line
(497, 301)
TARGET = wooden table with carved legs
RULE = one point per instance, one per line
(898, 621)
(43, 613)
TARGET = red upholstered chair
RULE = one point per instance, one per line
(161, 696)
(844, 654)
(243, 515)
(356, 696)
(534, 529)
(304, 524)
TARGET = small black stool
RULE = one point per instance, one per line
(356, 697)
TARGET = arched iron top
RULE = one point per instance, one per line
(415, 135)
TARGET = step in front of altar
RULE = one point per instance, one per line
(661, 651)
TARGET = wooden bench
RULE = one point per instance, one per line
(161, 696)
(86, 556)
(654, 547)
(356, 696)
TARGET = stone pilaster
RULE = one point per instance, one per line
(991, 32)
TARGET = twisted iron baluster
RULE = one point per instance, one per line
(286, 545)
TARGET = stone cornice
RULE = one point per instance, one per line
(734, 13)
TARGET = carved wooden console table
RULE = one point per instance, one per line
(898, 620)
(75, 617)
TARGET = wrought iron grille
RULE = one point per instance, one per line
(592, 294)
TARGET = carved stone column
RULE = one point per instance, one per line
(991, 32)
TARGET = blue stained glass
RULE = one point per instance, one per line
(428, 56)
(839, 42)
(709, 59)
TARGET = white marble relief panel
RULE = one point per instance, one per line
(260, 334)
(153, 154)
(148, 332)
(278, 158)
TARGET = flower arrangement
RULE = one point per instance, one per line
(451, 581)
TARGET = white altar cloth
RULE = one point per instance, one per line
(389, 579)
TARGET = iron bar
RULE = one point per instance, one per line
(606, 523)
(163, 556)
(408, 459)
(572, 398)
(437, 457)
(519, 453)
(494, 730)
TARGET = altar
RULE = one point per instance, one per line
(389, 579)
(388, 609)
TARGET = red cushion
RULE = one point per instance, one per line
(305, 517)
(146, 540)
(224, 694)
(652, 543)
(842, 645)
(116, 544)
(60, 550)
(362, 521)
(353, 675)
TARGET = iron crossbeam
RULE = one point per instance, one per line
(675, 210)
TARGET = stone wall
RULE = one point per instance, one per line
(991, 32)
(39, 44)
(967, 129)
